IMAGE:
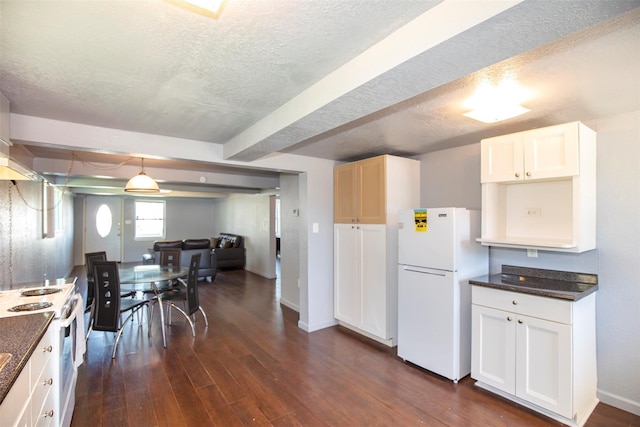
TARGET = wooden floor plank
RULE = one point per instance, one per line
(254, 366)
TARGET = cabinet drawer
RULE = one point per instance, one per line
(551, 309)
(42, 392)
(47, 414)
(42, 354)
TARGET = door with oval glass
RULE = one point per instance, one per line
(103, 221)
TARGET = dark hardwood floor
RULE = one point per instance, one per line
(254, 366)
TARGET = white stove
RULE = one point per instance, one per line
(30, 298)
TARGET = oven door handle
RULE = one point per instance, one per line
(66, 322)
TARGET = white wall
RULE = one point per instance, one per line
(24, 255)
(290, 229)
(186, 219)
(451, 184)
(316, 267)
(616, 260)
(250, 217)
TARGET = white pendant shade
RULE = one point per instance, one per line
(142, 183)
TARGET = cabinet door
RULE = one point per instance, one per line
(501, 159)
(15, 409)
(544, 371)
(346, 280)
(344, 193)
(551, 152)
(371, 195)
(493, 358)
(373, 276)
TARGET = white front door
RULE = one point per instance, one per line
(103, 221)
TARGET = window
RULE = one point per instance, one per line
(150, 220)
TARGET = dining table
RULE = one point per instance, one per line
(150, 278)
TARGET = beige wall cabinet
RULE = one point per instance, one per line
(539, 189)
(360, 191)
(537, 351)
(367, 197)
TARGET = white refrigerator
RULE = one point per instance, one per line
(437, 254)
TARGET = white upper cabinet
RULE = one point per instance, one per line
(545, 153)
(539, 189)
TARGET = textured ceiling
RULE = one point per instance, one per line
(313, 78)
(149, 66)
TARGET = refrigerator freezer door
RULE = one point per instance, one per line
(432, 246)
(428, 320)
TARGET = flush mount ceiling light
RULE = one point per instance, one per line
(212, 6)
(491, 104)
(207, 8)
(142, 183)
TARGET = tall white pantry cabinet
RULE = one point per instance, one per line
(367, 197)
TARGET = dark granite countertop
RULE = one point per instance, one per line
(19, 336)
(546, 283)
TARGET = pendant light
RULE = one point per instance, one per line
(142, 183)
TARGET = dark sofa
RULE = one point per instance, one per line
(229, 250)
(208, 265)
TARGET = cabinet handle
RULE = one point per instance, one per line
(509, 318)
(47, 349)
(514, 302)
(48, 414)
(48, 382)
(517, 174)
(528, 173)
(519, 321)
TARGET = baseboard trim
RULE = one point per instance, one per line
(619, 402)
(316, 327)
(292, 306)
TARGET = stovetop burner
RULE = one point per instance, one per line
(40, 292)
(31, 306)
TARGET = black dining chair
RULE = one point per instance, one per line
(170, 257)
(186, 293)
(109, 304)
(89, 258)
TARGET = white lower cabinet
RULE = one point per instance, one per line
(31, 400)
(537, 351)
(362, 286)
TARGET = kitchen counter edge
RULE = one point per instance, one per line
(19, 335)
(563, 285)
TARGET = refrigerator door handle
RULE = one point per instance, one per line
(416, 270)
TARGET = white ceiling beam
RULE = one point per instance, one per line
(438, 24)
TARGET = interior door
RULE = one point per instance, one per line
(103, 221)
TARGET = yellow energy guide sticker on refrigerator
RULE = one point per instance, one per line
(420, 218)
